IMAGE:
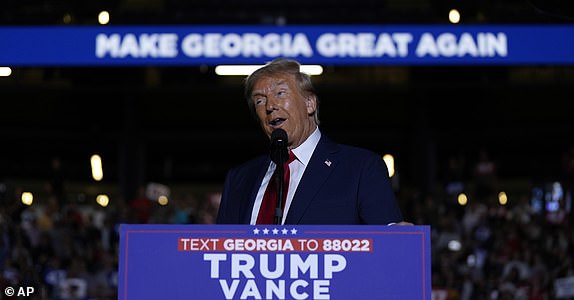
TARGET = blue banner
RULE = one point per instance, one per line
(274, 262)
(312, 44)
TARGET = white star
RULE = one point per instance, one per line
(256, 231)
(275, 230)
(265, 231)
(293, 231)
(284, 230)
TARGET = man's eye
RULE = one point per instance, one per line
(259, 101)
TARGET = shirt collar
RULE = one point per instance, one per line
(305, 150)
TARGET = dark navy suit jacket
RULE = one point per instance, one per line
(341, 185)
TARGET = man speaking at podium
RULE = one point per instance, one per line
(323, 182)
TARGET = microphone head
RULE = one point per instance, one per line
(279, 153)
(279, 135)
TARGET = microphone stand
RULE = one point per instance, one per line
(279, 175)
(279, 155)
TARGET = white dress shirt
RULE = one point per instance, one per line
(296, 169)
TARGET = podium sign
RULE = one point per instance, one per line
(274, 262)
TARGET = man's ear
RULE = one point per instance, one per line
(311, 103)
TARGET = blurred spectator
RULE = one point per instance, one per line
(47, 214)
(56, 185)
(184, 210)
(454, 177)
(484, 175)
(521, 212)
(208, 211)
(472, 216)
(140, 207)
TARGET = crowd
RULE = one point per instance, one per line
(486, 250)
(481, 250)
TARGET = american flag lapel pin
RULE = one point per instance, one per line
(328, 162)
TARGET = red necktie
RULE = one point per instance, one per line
(267, 211)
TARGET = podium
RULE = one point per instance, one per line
(274, 262)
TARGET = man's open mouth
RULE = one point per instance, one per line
(276, 121)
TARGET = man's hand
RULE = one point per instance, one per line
(403, 223)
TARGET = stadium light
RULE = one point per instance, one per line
(5, 71)
(243, 70)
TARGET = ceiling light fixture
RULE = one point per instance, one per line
(242, 70)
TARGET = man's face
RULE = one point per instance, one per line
(280, 104)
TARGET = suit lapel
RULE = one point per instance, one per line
(322, 162)
(255, 183)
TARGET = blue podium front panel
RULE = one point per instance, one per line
(274, 262)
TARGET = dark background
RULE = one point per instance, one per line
(187, 126)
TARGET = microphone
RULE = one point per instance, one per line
(279, 155)
(278, 151)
